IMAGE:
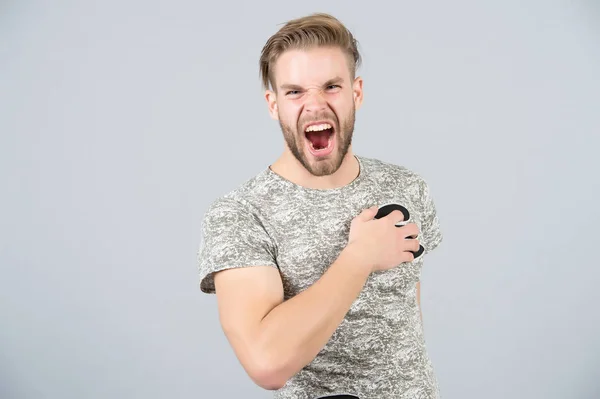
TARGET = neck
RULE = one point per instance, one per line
(288, 167)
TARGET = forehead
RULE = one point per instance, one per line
(311, 66)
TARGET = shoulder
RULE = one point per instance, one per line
(238, 199)
(389, 172)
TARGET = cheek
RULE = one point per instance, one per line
(289, 115)
(342, 106)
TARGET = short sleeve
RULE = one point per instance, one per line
(231, 236)
(431, 234)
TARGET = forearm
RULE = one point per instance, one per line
(293, 333)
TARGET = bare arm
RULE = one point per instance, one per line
(273, 339)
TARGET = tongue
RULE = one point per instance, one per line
(319, 139)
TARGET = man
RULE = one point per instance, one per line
(316, 296)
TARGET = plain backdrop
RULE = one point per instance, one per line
(120, 121)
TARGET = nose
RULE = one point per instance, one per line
(314, 101)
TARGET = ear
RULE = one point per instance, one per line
(357, 90)
(271, 99)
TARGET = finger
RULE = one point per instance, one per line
(395, 216)
(411, 244)
(410, 230)
(416, 245)
(408, 257)
(368, 213)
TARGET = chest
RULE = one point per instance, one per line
(310, 238)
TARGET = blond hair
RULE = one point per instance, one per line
(314, 30)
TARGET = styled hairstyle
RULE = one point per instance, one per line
(315, 30)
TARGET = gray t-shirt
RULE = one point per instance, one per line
(378, 351)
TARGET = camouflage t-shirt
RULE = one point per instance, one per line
(379, 350)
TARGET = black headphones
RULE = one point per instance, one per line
(386, 209)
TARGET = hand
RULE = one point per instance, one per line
(379, 242)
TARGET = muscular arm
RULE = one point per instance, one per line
(274, 339)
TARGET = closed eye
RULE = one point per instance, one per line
(297, 92)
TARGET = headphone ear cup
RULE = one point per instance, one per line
(419, 252)
(385, 210)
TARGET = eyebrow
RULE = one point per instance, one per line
(288, 86)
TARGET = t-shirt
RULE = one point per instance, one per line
(378, 351)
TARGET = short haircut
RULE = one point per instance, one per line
(315, 30)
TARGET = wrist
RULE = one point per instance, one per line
(358, 257)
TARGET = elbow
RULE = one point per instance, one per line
(260, 361)
(267, 375)
(268, 382)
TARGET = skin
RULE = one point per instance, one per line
(274, 339)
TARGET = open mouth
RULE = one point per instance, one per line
(320, 138)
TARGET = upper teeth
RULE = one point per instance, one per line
(317, 128)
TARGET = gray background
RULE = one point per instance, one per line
(121, 121)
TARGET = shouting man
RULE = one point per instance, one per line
(317, 294)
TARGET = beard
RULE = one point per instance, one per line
(296, 142)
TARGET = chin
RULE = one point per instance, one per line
(323, 166)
